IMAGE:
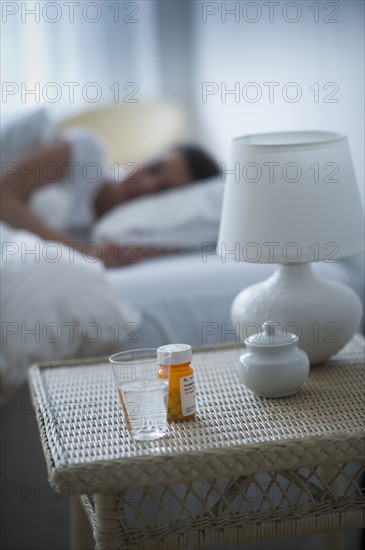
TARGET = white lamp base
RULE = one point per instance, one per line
(325, 314)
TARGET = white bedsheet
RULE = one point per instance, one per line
(54, 305)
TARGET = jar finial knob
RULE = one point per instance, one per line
(269, 329)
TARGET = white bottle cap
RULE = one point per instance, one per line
(180, 353)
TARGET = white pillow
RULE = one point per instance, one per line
(24, 133)
(69, 205)
(54, 309)
(180, 217)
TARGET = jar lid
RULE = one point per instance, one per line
(271, 335)
(180, 353)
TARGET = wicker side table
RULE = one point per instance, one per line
(246, 468)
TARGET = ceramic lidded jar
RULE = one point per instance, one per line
(273, 365)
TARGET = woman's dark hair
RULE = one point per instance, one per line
(202, 166)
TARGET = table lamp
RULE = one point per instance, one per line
(292, 199)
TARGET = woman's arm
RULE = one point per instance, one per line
(17, 214)
(34, 172)
(45, 166)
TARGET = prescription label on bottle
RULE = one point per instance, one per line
(187, 392)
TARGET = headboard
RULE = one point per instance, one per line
(133, 132)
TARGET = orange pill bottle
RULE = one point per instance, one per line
(181, 402)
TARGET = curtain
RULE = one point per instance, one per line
(72, 55)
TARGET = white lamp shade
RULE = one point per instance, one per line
(291, 197)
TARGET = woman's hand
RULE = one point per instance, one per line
(114, 254)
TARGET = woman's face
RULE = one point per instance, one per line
(165, 172)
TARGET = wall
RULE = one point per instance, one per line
(285, 45)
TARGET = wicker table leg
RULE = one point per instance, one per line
(332, 540)
(80, 530)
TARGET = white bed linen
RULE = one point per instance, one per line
(54, 305)
(69, 204)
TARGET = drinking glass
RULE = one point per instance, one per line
(142, 382)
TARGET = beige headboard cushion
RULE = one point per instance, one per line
(133, 132)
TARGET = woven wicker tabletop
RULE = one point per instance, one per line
(85, 438)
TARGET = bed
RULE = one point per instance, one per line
(182, 297)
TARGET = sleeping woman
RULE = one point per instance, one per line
(78, 161)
